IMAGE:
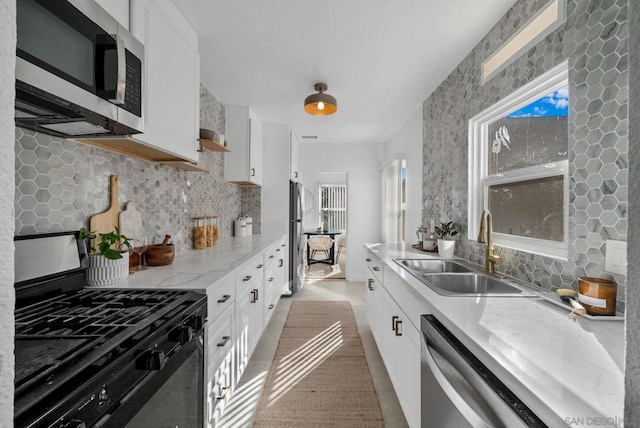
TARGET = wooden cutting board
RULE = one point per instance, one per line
(108, 220)
(131, 222)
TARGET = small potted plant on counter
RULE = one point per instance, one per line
(108, 257)
(446, 244)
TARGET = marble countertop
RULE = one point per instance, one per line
(568, 370)
(199, 269)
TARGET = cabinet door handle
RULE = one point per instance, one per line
(368, 259)
(223, 394)
(281, 263)
(370, 285)
(259, 266)
(295, 174)
(271, 256)
(398, 328)
(271, 279)
(394, 321)
(225, 297)
(225, 340)
(254, 295)
(375, 268)
(270, 306)
(246, 278)
(253, 172)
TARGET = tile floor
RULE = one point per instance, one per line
(240, 408)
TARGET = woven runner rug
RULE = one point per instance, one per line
(319, 376)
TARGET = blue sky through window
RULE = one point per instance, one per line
(554, 104)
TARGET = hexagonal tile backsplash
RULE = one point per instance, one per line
(594, 41)
(61, 183)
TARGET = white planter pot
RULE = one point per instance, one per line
(446, 248)
(103, 271)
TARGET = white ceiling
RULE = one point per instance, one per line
(380, 58)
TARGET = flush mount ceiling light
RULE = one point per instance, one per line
(320, 104)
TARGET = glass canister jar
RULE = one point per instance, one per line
(199, 233)
(215, 228)
(209, 231)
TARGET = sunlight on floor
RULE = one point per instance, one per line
(294, 367)
(245, 398)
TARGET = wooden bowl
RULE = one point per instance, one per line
(208, 134)
(160, 255)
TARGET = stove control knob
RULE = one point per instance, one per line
(195, 322)
(182, 334)
(152, 359)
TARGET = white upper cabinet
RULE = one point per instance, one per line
(244, 163)
(294, 150)
(119, 9)
(172, 78)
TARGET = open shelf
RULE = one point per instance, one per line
(212, 145)
(185, 166)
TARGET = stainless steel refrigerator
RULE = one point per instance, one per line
(296, 236)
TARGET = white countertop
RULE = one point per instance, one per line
(569, 371)
(199, 269)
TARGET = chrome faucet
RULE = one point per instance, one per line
(486, 236)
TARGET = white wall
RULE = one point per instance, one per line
(361, 163)
(7, 155)
(407, 144)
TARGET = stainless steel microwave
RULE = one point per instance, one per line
(78, 72)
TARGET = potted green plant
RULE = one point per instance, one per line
(108, 257)
(446, 243)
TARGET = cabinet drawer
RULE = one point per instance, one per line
(220, 339)
(249, 272)
(270, 279)
(220, 297)
(375, 265)
(411, 302)
(274, 255)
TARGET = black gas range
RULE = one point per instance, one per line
(90, 357)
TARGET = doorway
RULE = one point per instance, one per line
(326, 247)
(394, 177)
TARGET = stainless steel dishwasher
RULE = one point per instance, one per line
(459, 391)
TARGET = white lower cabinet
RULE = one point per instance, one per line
(401, 356)
(238, 308)
(373, 304)
(273, 278)
(397, 337)
(220, 365)
(249, 309)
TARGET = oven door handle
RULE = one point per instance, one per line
(445, 373)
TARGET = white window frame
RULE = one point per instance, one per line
(479, 180)
(334, 204)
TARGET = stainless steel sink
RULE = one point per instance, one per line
(472, 284)
(425, 266)
(451, 278)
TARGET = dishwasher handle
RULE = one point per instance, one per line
(462, 403)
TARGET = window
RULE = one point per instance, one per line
(518, 167)
(333, 206)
